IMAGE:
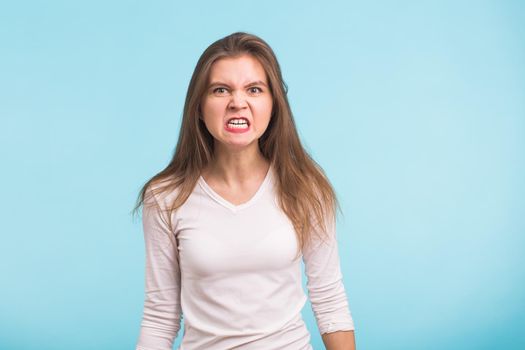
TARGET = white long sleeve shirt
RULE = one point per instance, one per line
(230, 274)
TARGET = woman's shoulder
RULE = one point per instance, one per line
(161, 193)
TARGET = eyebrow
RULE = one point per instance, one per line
(219, 83)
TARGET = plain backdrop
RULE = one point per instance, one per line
(415, 109)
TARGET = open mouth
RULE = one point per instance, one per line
(238, 123)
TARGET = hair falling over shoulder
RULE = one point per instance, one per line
(304, 191)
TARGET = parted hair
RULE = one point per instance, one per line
(303, 189)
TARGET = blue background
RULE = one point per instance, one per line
(415, 109)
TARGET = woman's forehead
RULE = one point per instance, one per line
(242, 69)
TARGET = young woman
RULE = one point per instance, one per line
(228, 220)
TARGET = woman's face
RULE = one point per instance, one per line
(237, 104)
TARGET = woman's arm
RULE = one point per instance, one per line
(162, 313)
(340, 340)
(327, 292)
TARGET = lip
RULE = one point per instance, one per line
(236, 130)
(238, 117)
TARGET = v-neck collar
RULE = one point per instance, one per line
(232, 207)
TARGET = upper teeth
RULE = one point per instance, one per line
(237, 121)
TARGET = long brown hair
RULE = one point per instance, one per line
(304, 192)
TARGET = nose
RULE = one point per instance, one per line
(237, 101)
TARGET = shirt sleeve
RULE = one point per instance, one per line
(325, 284)
(162, 311)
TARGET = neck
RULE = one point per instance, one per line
(238, 166)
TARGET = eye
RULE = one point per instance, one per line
(219, 90)
(255, 90)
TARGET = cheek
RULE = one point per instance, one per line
(210, 108)
(264, 107)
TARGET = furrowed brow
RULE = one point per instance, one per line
(217, 83)
(258, 82)
(220, 83)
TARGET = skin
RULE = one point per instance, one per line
(341, 340)
(239, 86)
